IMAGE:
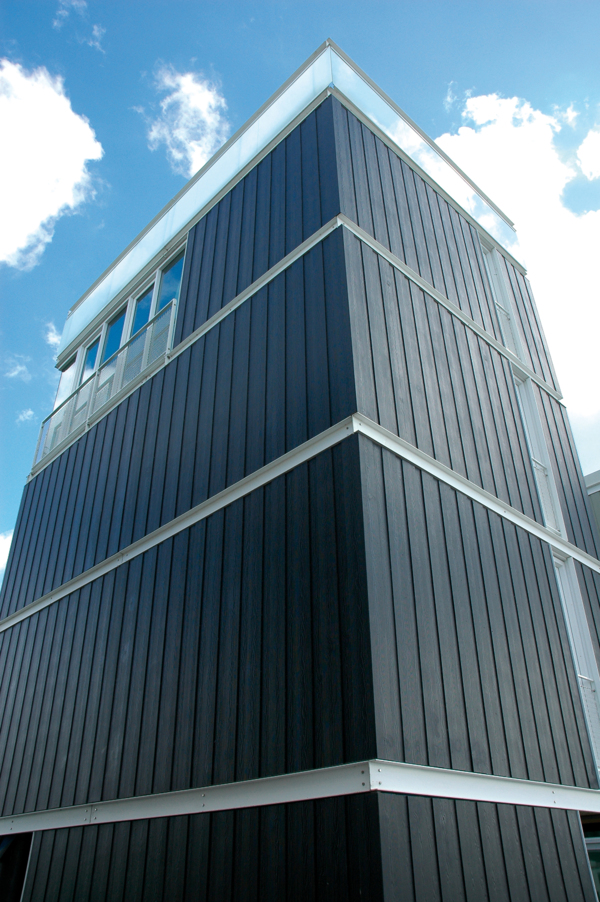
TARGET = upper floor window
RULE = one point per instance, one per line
(131, 341)
(142, 307)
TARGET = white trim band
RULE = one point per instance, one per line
(332, 436)
(452, 308)
(328, 782)
(407, 451)
(265, 279)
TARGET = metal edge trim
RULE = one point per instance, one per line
(375, 775)
(423, 461)
(268, 473)
(445, 302)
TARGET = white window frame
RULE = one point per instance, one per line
(503, 300)
(154, 279)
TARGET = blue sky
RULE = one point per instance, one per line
(511, 90)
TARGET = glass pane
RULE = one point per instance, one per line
(170, 283)
(142, 310)
(65, 386)
(113, 338)
(90, 360)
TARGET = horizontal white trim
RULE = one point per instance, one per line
(284, 263)
(417, 457)
(278, 467)
(328, 782)
(214, 320)
(285, 463)
(453, 308)
(256, 286)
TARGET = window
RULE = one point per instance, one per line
(502, 299)
(538, 453)
(123, 348)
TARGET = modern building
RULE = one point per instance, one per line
(303, 598)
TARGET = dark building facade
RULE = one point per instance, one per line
(303, 598)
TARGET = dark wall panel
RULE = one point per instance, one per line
(275, 372)
(472, 665)
(575, 506)
(326, 851)
(426, 377)
(379, 847)
(237, 649)
(438, 849)
(287, 197)
(528, 324)
(391, 202)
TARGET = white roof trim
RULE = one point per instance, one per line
(327, 66)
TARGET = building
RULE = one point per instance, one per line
(303, 600)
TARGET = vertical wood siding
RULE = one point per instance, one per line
(287, 197)
(564, 460)
(533, 342)
(237, 649)
(438, 849)
(274, 373)
(374, 848)
(326, 851)
(472, 665)
(426, 377)
(381, 193)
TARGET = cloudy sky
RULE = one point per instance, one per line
(109, 107)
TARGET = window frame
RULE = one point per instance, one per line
(152, 280)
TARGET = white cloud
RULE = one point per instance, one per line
(588, 155)
(450, 97)
(25, 416)
(52, 336)
(98, 33)
(64, 9)
(508, 148)
(17, 368)
(43, 168)
(192, 124)
(5, 540)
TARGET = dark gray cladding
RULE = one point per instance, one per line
(278, 205)
(238, 649)
(472, 665)
(274, 373)
(352, 608)
(353, 849)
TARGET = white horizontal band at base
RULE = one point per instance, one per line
(328, 782)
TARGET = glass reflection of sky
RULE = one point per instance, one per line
(326, 68)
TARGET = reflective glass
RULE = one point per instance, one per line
(90, 360)
(65, 386)
(142, 310)
(114, 335)
(170, 283)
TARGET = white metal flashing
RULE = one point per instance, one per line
(327, 439)
(278, 467)
(346, 779)
(417, 457)
(284, 263)
(446, 302)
